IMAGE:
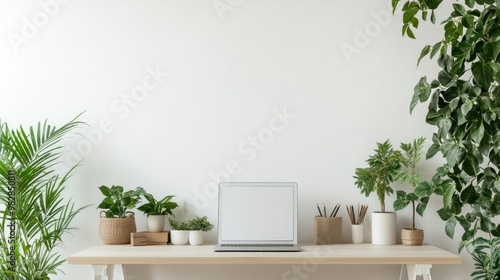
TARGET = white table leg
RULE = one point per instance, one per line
(100, 272)
(419, 269)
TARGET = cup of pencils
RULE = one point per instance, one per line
(357, 219)
(327, 226)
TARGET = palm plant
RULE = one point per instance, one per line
(35, 216)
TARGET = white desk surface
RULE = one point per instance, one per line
(321, 254)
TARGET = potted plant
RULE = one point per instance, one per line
(156, 211)
(179, 235)
(412, 155)
(117, 224)
(37, 213)
(197, 226)
(383, 168)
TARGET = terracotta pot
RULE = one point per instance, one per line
(411, 237)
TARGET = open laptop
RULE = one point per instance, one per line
(257, 217)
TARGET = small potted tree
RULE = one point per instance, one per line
(179, 235)
(157, 211)
(118, 222)
(197, 226)
(383, 169)
(412, 155)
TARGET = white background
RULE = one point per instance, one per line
(256, 91)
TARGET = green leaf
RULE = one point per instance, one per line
(421, 208)
(433, 4)
(409, 14)
(469, 195)
(421, 91)
(399, 204)
(482, 74)
(410, 33)
(433, 17)
(423, 53)
(444, 125)
(450, 227)
(471, 165)
(470, 3)
(424, 189)
(477, 132)
(445, 78)
(468, 21)
(433, 149)
(466, 107)
(105, 190)
(453, 154)
(436, 48)
(459, 9)
(449, 190)
(444, 214)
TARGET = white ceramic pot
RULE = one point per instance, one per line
(357, 234)
(155, 223)
(384, 228)
(179, 237)
(196, 237)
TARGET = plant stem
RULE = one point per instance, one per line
(413, 215)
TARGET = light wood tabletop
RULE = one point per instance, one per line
(320, 254)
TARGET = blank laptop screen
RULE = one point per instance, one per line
(257, 212)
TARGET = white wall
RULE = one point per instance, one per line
(217, 79)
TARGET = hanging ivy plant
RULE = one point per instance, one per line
(464, 105)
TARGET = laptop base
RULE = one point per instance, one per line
(256, 248)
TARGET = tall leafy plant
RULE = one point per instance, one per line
(464, 105)
(36, 215)
(384, 167)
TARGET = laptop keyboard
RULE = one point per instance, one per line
(257, 245)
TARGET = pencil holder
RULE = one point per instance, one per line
(327, 230)
(357, 233)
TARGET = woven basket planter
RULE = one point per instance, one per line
(117, 230)
(411, 237)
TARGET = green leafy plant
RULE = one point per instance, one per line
(464, 105)
(117, 202)
(37, 215)
(486, 254)
(383, 169)
(179, 225)
(158, 207)
(200, 223)
(409, 174)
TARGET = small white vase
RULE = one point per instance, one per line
(196, 237)
(179, 237)
(384, 228)
(155, 223)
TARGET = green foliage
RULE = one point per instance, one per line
(409, 174)
(179, 225)
(464, 105)
(486, 255)
(383, 168)
(200, 223)
(37, 215)
(155, 207)
(197, 223)
(117, 202)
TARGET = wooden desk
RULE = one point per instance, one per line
(418, 259)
